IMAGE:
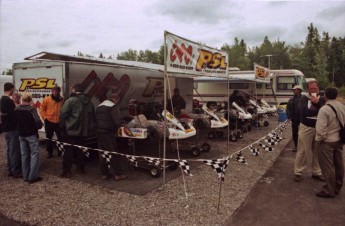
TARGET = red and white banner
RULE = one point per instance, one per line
(187, 57)
(261, 73)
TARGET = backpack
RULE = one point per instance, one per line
(342, 128)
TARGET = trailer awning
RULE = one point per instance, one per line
(237, 76)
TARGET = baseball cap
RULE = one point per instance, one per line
(297, 87)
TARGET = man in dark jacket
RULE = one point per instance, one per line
(9, 129)
(176, 103)
(107, 118)
(77, 118)
(310, 105)
(293, 113)
(28, 124)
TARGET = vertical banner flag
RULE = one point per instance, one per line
(261, 73)
(187, 57)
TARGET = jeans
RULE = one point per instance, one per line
(50, 129)
(14, 165)
(30, 157)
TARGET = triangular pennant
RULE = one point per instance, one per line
(60, 146)
(184, 164)
(240, 158)
(132, 159)
(255, 151)
(85, 150)
(271, 141)
(219, 165)
(107, 156)
(154, 161)
(265, 147)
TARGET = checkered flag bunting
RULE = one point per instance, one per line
(60, 146)
(240, 158)
(154, 161)
(275, 114)
(85, 150)
(132, 159)
(107, 156)
(271, 141)
(265, 116)
(266, 147)
(184, 164)
(219, 165)
(253, 150)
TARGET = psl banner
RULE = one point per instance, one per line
(187, 57)
(261, 73)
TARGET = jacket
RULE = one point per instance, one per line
(293, 109)
(327, 125)
(77, 116)
(50, 109)
(28, 120)
(8, 121)
(308, 110)
(107, 117)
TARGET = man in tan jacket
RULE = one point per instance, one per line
(329, 146)
(50, 113)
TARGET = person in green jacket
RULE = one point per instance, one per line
(77, 119)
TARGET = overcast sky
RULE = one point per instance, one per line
(28, 27)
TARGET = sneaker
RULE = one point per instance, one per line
(318, 177)
(35, 180)
(298, 178)
(323, 194)
(120, 177)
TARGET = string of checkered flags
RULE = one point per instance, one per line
(219, 165)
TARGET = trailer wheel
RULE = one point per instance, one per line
(211, 135)
(195, 151)
(206, 147)
(155, 171)
(266, 123)
(219, 134)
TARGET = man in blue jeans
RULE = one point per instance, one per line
(28, 124)
(9, 129)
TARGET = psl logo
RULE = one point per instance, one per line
(210, 60)
(40, 83)
(100, 88)
(181, 52)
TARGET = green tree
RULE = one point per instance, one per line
(128, 55)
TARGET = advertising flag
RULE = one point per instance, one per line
(261, 73)
(194, 59)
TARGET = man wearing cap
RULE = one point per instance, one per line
(50, 113)
(310, 105)
(293, 113)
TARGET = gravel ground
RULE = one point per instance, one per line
(56, 201)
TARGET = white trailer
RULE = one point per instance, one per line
(131, 80)
(277, 90)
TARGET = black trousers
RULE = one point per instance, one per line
(295, 126)
(73, 153)
(50, 129)
(107, 142)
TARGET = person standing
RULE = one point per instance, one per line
(28, 124)
(9, 129)
(107, 118)
(77, 118)
(16, 99)
(50, 113)
(293, 113)
(176, 103)
(329, 146)
(310, 105)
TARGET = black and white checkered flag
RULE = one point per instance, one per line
(184, 164)
(85, 150)
(60, 146)
(240, 158)
(275, 114)
(271, 141)
(107, 156)
(253, 150)
(219, 165)
(132, 159)
(265, 116)
(266, 148)
(154, 161)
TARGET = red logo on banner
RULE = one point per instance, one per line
(181, 52)
(100, 88)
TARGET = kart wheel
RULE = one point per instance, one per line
(211, 135)
(219, 134)
(266, 123)
(195, 151)
(206, 147)
(155, 171)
